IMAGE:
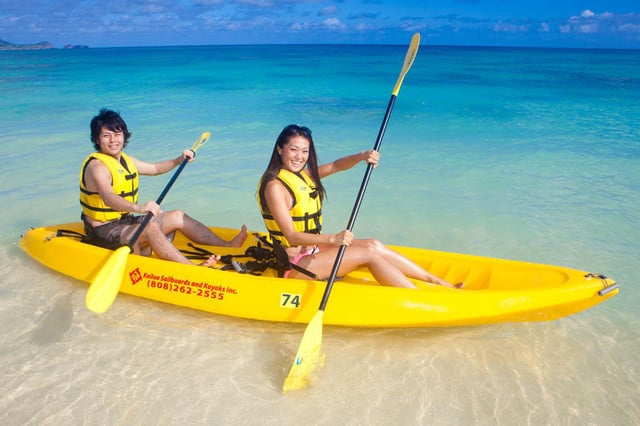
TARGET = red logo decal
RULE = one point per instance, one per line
(135, 276)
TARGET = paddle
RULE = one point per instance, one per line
(105, 286)
(308, 355)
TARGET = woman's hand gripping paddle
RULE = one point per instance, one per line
(106, 284)
(308, 356)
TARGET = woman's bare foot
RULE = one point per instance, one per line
(446, 283)
(211, 261)
(239, 239)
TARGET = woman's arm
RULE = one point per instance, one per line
(345, 163)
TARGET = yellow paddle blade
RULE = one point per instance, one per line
(201, 141)
(105, 286)
(308, 356)
(408, 61)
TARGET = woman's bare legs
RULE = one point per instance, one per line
(408, 267)
(383, 271)
(387, 266)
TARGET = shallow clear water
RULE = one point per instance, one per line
(516, 153)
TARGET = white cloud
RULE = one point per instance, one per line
(630, 28)
(256, 3)
(202, 21)
(333, 24)
(504, 27)
(300, 26)
(329, 10)
(589, 22)
(587, 28)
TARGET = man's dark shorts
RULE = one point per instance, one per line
(108, 235)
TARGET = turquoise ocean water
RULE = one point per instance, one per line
(525, 154)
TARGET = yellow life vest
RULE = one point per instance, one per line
(306, 212)
(124, 180)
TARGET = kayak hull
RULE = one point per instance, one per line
(496, 290)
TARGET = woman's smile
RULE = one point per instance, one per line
(295, 154)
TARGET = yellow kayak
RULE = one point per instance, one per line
(246, 284)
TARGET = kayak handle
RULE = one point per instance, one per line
(608, 287)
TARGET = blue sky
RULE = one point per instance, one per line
(100, 23)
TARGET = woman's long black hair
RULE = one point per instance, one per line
(275, 164)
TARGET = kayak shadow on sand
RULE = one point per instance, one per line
(54, 323)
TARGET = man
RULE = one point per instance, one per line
(109, 195)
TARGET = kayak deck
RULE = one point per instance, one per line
(496, 290)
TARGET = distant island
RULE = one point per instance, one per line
(5, 45)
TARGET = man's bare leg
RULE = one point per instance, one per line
(153, 237)
(198, 232)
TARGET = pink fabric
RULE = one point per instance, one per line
(304, 253)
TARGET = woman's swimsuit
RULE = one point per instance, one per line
(298, 257)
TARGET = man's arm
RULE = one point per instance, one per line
(161, 167)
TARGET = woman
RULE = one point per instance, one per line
(290, 196)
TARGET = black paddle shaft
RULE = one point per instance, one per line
(356, 207)
(149, 215)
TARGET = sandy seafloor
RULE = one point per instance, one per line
(515, 153)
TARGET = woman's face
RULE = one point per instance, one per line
(295, 153)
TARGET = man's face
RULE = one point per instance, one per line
(111, 142)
